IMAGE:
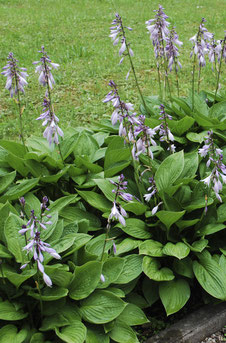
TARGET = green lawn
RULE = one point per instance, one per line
(75, 34)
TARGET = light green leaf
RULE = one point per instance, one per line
(151, 267)
(4, 252)
(174, 295)
(135, 228)
(9, 334)
(74, 333)
(17, 191)
(197, 246)
(101, 307)
(178, 250)
(85, 280)
(210, 275)
(132, 269)
(15, 241)
(132, 315)
(151, 248)
(126, 245)
(6, 180)
(9, 312)
(112, 268)
(54, 321)
(96, 200)
(96, 335)
(17, 279)
(169, 170)
(169, 217)
(209, 229)
(197, 137)
(49, 294)
(122, 333)
(184, 267)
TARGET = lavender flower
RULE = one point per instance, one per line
(200, 43)
(164, 131)
(152, 189)
(159, 32)
(36, 246)
(121, 187)
(215, 157)
(44, 69)
(117, 33)
(51, 120)
(172, 50)
(215, 50)
(16, 76)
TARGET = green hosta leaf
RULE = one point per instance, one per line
(184, 267)
(85, 145)
(4, 213)
(96, 335)
(67, 145)
(85, 162)
(15, 241)
(123, 333)
(135, 228)
(181, 126)
(132, 269)
(96, 200)
(169, 170)
(150, 290)
(32, 203)
(197, 246)
(70, 311)
(209, 229)
(58, 276)
(218, 111)
(117, 157)
(197, 137)
(72, 214)
(101, 307)
(50, 294)
(74, 333)
(37, 338)
(112, 268)
(54, 178)
(17, 191)
(6, 180)
(9, 334)
(221, 213)
(174, 295)
(14, 147)
(183, 224)
(4, 252)
(210, 275)
(80, 240)
(9, 312)
(169, 217)
(179, 250)
(151, 248)
(126, 245)
(17, 279)
(151, 267)
(106, 187)
(197, 203)
(85, 280)
(191, 163)
(133, 315)
(54, 321)
(135, 207)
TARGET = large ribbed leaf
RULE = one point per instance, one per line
(75, 333)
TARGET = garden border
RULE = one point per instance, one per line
(194, 327)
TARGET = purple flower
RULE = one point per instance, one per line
(152, 189)
(200, 43)
(164, 131)
(215, 157)
(44, 69)
(117, 34)
(118, 213)
(51, 120)
(121, 187)
(159, 32)
(172, 50)
(16, 76)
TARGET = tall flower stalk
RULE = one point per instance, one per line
(221, 58)
(159, 32)
(199, 50)
(45, 65)
(118, 34)
(16, 80)
(172, 54)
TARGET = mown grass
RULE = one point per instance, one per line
(75, 35)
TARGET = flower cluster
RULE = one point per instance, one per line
(153, 190)
(171, 49)
(215, 50)
(200, 43)
(117, 212)
(46, 79)
(117, 33)
(36, 246)
(51, 120)
(44, 69)
(16, 76)
(215, 157)
(158, 29)
(164, 131)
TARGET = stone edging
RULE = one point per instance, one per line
(195, 327)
